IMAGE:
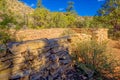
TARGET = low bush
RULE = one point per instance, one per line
(6, 37)
(93, 55)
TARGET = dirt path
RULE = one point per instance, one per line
(114, 48)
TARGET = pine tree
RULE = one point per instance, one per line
(39, 4)
(70, 6)
(109, 14)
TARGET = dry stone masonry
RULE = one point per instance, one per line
(44, 59)
(40, 59)
(31, 34)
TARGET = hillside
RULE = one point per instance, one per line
(15, 12)
(18, 7)
(24, 15)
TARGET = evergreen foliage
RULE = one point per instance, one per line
(109, 14)
(39, 4)
(70, 6)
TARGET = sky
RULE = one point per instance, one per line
(82, 7)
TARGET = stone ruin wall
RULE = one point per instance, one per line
(31, 34)
(39, 59)
(36, 60)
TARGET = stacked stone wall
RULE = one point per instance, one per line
(36, 60)
(31, 34)
(46, 58)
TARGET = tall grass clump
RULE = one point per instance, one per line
(93, 55)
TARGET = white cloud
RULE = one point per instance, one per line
(100, 0)
(61, 9)
(32, 5)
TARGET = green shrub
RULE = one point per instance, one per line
(94, 56)
(6, 37)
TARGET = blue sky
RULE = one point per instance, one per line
(82, 7)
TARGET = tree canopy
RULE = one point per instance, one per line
(39, 4)
(109, 14)
(70, 6)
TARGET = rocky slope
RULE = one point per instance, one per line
(18, 7)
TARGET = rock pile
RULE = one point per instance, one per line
(37, 60)
(42, 59)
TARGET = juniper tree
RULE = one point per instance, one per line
(39, 4)
(109, 14)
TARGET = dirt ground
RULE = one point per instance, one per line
(113, 48)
